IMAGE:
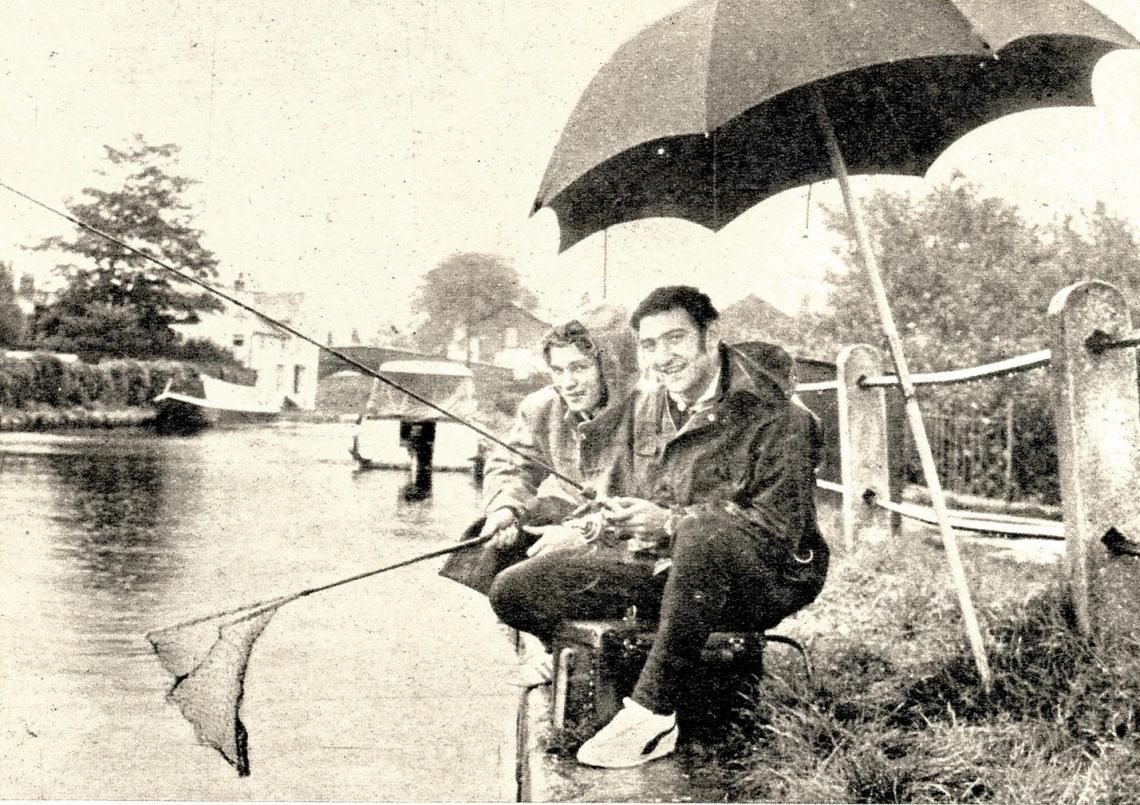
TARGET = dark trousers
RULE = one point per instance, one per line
(727, 575)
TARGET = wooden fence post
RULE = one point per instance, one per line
(862, 445)
(1097, 415)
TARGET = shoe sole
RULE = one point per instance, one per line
(662, 745)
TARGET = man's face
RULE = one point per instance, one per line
(671, 346)
(576, 377)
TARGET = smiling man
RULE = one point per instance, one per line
(567, 425)
(715, 472)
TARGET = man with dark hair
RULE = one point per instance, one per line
(715, 469)
(681, 297)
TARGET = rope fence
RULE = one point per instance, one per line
(1094, 408)
(1006, 366)
(1100, 342)
(1009, 525)
(1097, 343)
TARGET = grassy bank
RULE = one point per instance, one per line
(894, 712)
(47, 418)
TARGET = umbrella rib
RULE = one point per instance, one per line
(985, 42)
(708, 51)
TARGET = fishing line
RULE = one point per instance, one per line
(298, 334)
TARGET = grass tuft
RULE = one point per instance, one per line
(896, 713)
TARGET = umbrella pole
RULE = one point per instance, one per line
(913, 414)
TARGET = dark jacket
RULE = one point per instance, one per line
(753, 448)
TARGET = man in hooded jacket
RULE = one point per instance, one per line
(568, 425)
(716, 472)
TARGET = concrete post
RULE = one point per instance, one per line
(862, 445)
(1097, 416)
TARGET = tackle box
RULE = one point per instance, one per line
(596, 664)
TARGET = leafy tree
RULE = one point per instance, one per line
(116, 302)
(970, 280)
(467, 289)
(11, 319)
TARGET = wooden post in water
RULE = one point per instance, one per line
(862, 445)
(418, 438)
(1097, 414)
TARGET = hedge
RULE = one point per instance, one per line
(44, 379)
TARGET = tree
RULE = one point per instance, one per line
(465, 290)
(116, 302)
(970, 280)
(11, 319)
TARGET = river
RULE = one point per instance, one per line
(385, 689)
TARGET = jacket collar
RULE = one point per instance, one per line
(760, 369)
(748, 372)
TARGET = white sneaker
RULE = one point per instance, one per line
(536, 664)
(634, 736)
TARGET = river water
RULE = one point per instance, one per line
(386, 689)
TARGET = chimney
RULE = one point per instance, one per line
(239, 283)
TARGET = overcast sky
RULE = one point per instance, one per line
(344, 148)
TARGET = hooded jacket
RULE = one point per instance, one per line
(752, 449)
(548, 430)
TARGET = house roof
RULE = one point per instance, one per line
(287, 306)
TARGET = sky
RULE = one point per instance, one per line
(345, 147)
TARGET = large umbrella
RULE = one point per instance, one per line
(727, 102)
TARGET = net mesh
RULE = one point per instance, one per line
(208, 658)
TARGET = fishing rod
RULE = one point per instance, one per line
(298, 334)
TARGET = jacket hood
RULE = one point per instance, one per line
(763, 366)
(608, 326)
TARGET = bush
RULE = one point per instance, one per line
(45, 380)
(17, 382)
(201, 350)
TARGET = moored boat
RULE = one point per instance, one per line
(395, 430)
(219, 403)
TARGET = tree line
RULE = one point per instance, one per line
(117, 304)
(968, 274)
(970, 278)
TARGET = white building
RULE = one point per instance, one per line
(286, 366)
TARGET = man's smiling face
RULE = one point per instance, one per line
(680, 355)
(577, 378)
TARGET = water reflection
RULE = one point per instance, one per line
(112, 534)
(112, 508)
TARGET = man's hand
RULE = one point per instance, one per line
(502, 527)
(642, 520)
(554, 537)
(634, 515)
